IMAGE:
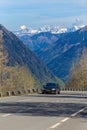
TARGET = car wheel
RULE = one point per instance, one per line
(57, 92)
(44, 92)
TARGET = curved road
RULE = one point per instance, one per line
(67, 111)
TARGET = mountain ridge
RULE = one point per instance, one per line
(63, 52)
(20, 54)
(74, 43)
(54, 29)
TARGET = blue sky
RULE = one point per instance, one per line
(36, 13)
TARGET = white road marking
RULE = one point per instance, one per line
(5, 115)
(59, 123)
(67, 118)
(78, 112)
(54, 126)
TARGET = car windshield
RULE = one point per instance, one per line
(50, 85)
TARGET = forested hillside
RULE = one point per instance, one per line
(19, 55)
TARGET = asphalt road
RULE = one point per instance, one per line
(67, 111)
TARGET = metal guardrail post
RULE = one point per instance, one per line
(0, 94)
(8, 93)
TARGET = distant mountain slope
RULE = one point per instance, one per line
(64, 43)
(39, 41)
(58, 51)
(67, 51)
(18, 53)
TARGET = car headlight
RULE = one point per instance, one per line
(53, 89)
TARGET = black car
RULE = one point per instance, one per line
(51, 88)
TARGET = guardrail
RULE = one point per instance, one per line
(34, 90)
(73, 89)
(19, 92)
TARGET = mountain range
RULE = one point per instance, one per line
(58, 51)
(53, 29)
(45, 36)
(20, 54)
(65, 52)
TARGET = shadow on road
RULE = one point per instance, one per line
(40, 108)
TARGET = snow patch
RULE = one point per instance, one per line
(23, 27)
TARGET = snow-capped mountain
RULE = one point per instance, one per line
(46, 28)
(24, 30)
(57, 51)
(54, 29)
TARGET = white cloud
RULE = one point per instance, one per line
(38, 12)
(66, 21)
